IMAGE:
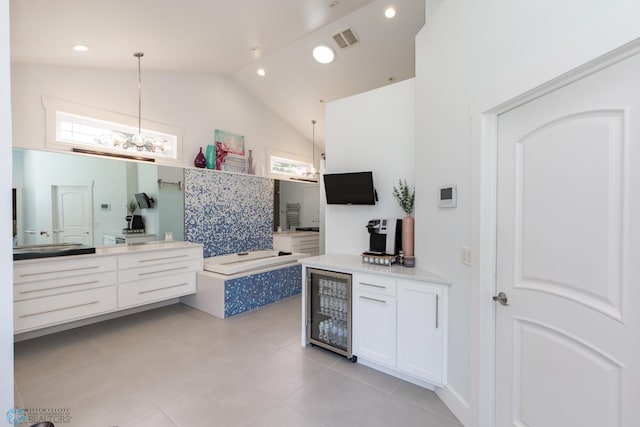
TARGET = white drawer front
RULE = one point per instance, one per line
(150, 290)
(48, 311)
(158, 271)
(164, 257)
(69, 267)
(377, 284)
(43, 288)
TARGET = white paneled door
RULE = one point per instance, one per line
(72, 214)
(568, 262)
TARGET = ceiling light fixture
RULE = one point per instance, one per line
(323, 54)
(261, 72)
(390, 12)
(138, 139)
(80, 47)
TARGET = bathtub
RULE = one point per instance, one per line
(248, 261)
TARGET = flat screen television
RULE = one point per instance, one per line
(353, 188)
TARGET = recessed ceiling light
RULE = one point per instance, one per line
(80, 47)
(323, 54)
(261, 72)
(390, 12)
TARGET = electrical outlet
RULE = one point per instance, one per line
(466, 255)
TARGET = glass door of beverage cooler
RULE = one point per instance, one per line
(329, 310)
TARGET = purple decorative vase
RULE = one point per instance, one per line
(200, 161)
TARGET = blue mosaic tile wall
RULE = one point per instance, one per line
(250, 292)
(228, 213)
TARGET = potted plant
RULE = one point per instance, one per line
(132, 207)
(406, 197)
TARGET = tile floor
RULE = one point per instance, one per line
(178, 367)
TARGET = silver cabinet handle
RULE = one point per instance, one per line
(162, 289)
(161, 271)
(373, 299)
(58, 309)
(163, 258)
(30, 231)
(437, 309)
(60, 287)
(372, 285)
(60, 271)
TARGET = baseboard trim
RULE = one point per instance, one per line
(455, 403)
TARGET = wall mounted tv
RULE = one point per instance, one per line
(353, 188)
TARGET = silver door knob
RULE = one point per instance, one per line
(501, 298)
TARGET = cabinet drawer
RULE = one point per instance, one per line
(66, 285)
(158, 271)
(23, 273)
(40, 312)
(378, 284)
(165, 257)
(150, 290)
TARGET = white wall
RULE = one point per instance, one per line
(465, 49)
(372, 131)
(6, 266)
(197, 103)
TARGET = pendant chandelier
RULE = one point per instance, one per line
(312, 173)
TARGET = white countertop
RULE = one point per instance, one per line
(296, 233)
(144, 246)
(117, 250)
(353, 263)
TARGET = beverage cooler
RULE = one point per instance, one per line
(329, 310)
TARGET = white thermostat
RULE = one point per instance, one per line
(448, 196)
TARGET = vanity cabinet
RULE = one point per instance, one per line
(52, 292)
(306, 242)
(374, 319)
(148, 277)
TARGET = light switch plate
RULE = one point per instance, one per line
(466, 255)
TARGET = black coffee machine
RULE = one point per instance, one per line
(385, 236)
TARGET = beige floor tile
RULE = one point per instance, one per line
(335, 400)
(317, 354)
(282, 416)
(367, 375)
(178, 367)
(422, 397)
(397, 412)
(123, 405)
(63, 389)
(281, 373)
(158, 419)
(54, 361)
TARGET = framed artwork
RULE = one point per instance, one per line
(229, 151)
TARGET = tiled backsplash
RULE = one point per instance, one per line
(228, 213)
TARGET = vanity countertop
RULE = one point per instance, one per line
(353, 263)
(122, 250)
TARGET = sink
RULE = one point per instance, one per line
(46, 251)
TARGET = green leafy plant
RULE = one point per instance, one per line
(132, 206)
(405, 196)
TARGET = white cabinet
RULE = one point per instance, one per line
(48, 293)
(53, 291)
(374, 319)
(306, 242)
(155, 276)
(420, 326)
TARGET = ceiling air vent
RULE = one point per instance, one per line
(346, 38)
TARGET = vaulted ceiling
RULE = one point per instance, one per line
(232, 38)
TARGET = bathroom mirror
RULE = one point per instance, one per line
(296, 206)
(66, 198)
